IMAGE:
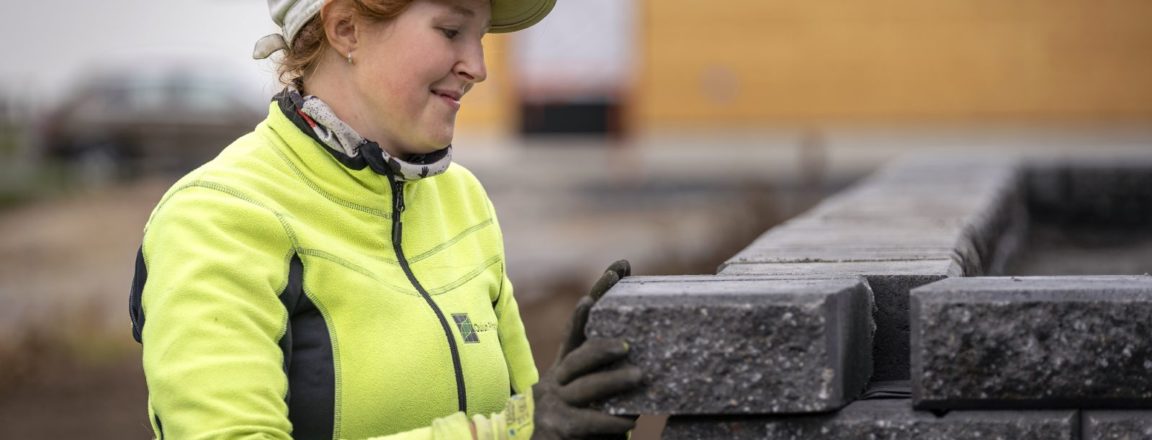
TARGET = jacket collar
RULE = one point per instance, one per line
(313, 117)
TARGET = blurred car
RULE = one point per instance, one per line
(148, 120)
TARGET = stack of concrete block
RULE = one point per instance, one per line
(778, 344)
(916, 221)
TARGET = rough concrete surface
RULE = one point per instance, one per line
(882, 419)
(740, 345)
(890, 282)
(911, 223)
(1117, 425)
(1033, 342)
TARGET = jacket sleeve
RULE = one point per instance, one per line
(514, 342)
(513, 339)
(216, 264)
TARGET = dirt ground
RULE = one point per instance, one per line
(69, 368)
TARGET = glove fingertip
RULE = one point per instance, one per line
(636, 375)
(604, 284)
(622, 268)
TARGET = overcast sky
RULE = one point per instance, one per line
(51, 43)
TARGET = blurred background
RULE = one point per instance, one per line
(668, 132)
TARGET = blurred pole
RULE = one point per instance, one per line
(813, 163)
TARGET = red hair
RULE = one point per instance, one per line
(311, 42)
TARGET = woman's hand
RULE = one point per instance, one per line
(577, 378)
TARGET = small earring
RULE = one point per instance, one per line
(349, 57)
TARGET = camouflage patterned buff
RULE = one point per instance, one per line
(338, 136)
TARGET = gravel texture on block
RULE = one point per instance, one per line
(1033, 342)
(882, 419)
(890, 282)
(739, 345)
(1117, 425)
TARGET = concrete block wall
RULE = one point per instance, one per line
(917, 221)
(956, 352)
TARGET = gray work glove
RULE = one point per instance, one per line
(578, 378)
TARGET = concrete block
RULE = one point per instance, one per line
(1117, 425)
(740, 345)
(846, 254)
(890, 282)
(882, 419)
(872, 269)
(1032, 342)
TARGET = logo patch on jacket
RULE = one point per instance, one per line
(470, 331)
(467, 331)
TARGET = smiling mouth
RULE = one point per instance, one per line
(452, 96)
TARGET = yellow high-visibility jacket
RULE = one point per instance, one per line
(284, 290)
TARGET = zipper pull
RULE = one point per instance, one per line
(398, 197)
(397, 233)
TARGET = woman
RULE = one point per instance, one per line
(333, 275)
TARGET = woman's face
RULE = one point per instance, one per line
(411, 72)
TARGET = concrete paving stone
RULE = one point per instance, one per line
(882, 419)
(740, 345)
(890, 282)
(836, 254)
(1117, 425)
(1032, 342)
(823, 235)
(872, 269)
(816, 231)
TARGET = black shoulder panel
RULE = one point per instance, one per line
(135, 307)
(308, 361)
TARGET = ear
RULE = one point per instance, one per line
(339, 19)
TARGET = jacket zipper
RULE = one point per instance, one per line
(397, 234)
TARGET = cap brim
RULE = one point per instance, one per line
(514, 15)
